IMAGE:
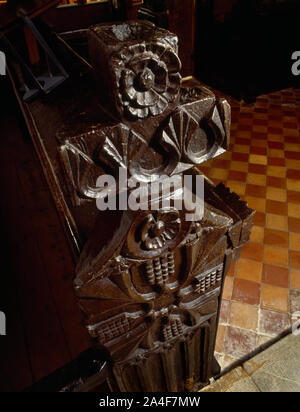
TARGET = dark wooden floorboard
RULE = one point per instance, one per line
(46, 342)
(14, 355)
(14, 360)
(56, 257)
(44, 324)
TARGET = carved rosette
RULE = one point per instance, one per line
(160, 228)
(137, 68)
(154, 233)
(149, 79)
(119, 147)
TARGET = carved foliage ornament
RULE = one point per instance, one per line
(191, 141)
(182, 138)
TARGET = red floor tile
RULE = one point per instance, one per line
(295, 259)
(277, 208)
(253, 251)
(258, 150)
(275, 275)
(237, 175)
(256, 191)
(292, 140)
(273, 323)
(246, 291)
(240, 157)
(289, 125)
(260, 169)
(239, 342)
(275, 130)
(261, 122)
(274, 161)
(221, 164)
(240, 140)
(276, 238)
(260, 219)
(259, 136)
(263, 288)
(293, 197)
(276, 145)
(292, 155)
(276, 182)
(294, 225)
(293, 174)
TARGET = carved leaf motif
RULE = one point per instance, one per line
(177, 134)
(120, 147)
(192, 141)
(80, 169)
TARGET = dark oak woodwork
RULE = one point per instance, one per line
(43, 322)
(8, 14)
(149, 282)
(70, 18)
(179, 17)
(133, 8)
(182, 21)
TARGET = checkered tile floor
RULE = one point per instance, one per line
(262, 290)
